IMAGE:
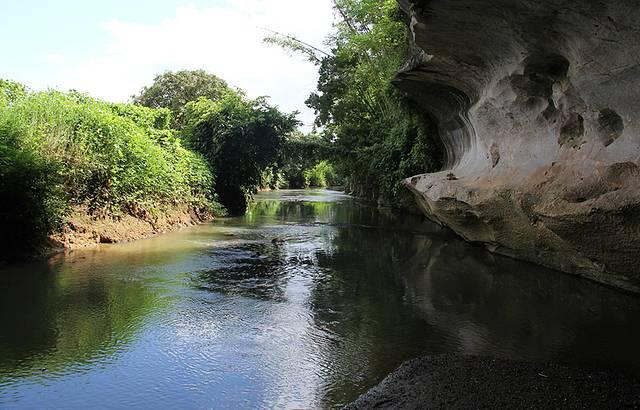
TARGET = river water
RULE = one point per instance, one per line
(307, 301)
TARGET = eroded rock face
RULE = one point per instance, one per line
(537, 105)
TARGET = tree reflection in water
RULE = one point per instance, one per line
(59, 318)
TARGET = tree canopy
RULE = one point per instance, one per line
(240, 138)
(375, 136)
(173, 90)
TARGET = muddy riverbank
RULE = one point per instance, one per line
(82, 230)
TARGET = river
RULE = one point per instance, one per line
(307, 301)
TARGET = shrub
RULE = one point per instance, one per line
(59, 150)
(240, 138)
(33, 199)
(320, 175)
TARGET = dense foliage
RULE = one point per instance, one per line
(321, 174)
(64, 150)
(60, 150)
(173, 90)
(375, 137)
(301, 166)
(241, 138)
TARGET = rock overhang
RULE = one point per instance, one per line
(536, 104)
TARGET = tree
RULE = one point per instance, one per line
(10, 91)
(377, 136)
(301, 152)
(240, 138)
(173, 90)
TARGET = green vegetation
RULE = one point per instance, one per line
(373, 135)
(248, 144)
(62, 150)
(173, 90)
(302, 164)
(65, 151)
(320, 175)
(241, 139)
(301, 154)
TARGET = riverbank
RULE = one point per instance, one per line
(451, 381)
(81, 230)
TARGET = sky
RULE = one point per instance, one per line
(111, 49)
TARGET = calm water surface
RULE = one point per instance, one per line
(307, 301)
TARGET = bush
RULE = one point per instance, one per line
(240, 138)
(321, 175)
(272, 178)
(401, 150)
(33, 201)
(66, 149)
(10, 91)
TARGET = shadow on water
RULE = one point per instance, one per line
(251, 269)
(396, 294)
(387, 287)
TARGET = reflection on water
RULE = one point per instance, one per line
(307, 301)
(249, 269)
(50, 320)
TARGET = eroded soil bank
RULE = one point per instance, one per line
(452, 381)
(82, 230)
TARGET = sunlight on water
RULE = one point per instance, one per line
(307, 301)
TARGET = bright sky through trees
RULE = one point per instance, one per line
(111, 49)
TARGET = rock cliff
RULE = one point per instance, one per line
(537, 105)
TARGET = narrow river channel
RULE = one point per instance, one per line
(307, 301)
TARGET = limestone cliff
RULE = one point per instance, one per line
(537, 105)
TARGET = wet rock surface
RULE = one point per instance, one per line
(537, 107)
(448, 381)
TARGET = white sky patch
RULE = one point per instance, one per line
(54, 58)
(225, 40)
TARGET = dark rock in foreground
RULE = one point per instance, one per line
(449, 381)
